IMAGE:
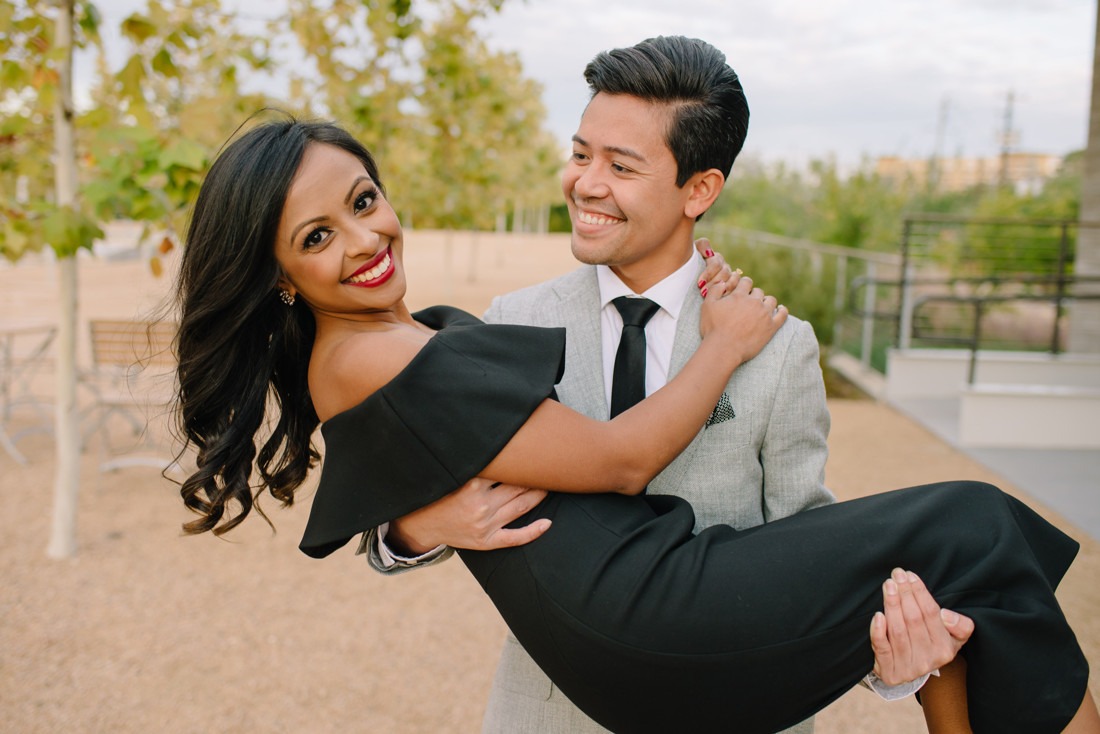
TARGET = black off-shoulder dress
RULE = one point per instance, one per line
(649, 628)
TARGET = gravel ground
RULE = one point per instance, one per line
(146, 630)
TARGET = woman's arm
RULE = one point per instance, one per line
(558, 448)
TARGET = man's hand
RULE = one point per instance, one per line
(473, 517)
(914, 636)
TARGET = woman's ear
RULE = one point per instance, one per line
(286, 290)
(704, 188)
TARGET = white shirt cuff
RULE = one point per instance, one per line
(390, 559)
(898, 692)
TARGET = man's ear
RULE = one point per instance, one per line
(704, 188)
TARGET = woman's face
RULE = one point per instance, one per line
(339, 241)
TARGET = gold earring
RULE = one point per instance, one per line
(286, 296)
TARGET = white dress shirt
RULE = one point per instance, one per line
(660, 330)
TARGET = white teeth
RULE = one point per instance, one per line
(373, 272)
(596, 218)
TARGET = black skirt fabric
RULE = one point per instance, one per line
(650, 628)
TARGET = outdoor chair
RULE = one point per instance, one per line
(132, 382)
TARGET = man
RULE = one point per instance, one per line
(655, 145)
(653, 150)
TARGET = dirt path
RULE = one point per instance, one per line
(145, 630)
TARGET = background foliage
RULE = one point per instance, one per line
(458, 130)
(860, 209)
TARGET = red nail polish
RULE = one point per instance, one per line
(703, 293)
(709, 253)
(701, 283)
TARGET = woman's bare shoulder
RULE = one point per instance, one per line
(345, 371)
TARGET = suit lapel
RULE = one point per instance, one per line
(687, 335)
(683, 346)
(579, 302)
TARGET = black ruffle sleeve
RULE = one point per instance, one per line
(432, 428)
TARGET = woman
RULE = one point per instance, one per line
(292, 288)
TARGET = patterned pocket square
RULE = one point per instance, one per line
(722, 412)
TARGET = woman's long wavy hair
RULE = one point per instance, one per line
(242, 351)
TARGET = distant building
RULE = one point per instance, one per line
(1025, 172)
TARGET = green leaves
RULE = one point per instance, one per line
(64, 229)
(88, 19)
(17, 235)
(457, 128)
(162, 64)
(67, 230)
(138, 28)
(183, 153)
(143, 175)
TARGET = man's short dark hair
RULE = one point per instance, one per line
(710, 116)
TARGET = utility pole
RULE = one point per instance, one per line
(1008, 138)
(1084, 315)
(935, 166)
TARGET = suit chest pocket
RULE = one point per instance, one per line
(730, 434)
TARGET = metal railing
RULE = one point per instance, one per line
(982, 267)
(838, 272)
(979, 306)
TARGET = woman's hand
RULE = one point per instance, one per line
(716, 270)
(739, 313)
(914, 636)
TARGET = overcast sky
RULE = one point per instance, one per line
(847, 78)
(844, 77)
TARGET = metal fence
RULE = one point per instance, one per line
(989, 283)
(960, 282)
(849, 295)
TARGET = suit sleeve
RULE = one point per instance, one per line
(794, 449)
(495, 313)
(391, 563)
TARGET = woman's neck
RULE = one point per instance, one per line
(337, 324)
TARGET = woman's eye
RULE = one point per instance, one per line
(314, 238)
(363, 201)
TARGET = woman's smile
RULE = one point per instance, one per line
(337, 232)
(374, 272)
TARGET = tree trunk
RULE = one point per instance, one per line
(67, 421)
(1084, 316)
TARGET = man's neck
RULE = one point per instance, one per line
(642, 275)
(669, 292)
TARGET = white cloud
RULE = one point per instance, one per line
(829, 77)
(845, 77)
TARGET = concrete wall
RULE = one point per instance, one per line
(942, 373)
(1030, 416)
(1023, 400)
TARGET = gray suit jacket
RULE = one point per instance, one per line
(766, 462)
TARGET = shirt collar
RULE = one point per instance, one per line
(669, 293)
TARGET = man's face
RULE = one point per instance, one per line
(620, 187)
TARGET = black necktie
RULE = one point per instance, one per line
(628, 381)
